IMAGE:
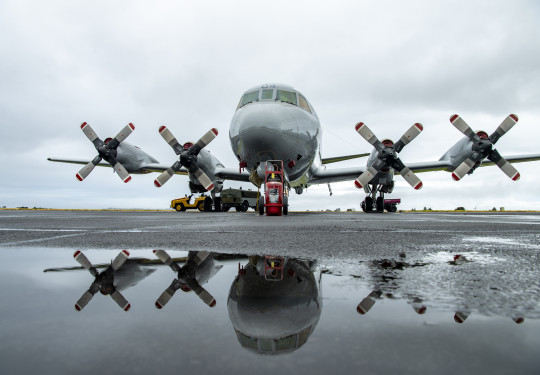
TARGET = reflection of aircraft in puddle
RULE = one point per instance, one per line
(120, 274)
(387, 282)
(197, 270)
(274, 304)
(103, 282)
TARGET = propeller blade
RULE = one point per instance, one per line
(206, 297)
(120, 260)
(163, 178)
(82, 259)
(368, 135)
(201, 257)
(83, 301)
(365, 177)
(89, 132)
(463, 169)
(85, 171)
(206, 139)
(167, 260)
(409, 135)
(166, 296)
(122, 172)
(503, 128)
(124, 133)
(462, 126)
(504, 165)
(120, 300)
(411, 178)
(204, 179)
(170, 139)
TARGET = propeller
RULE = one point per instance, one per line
(103, 281)
(106, 150)
(483, 147)
(388, 155)
(187, 157)
(186, 279)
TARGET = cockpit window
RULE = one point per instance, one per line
(303, 103)
(250, 97)
(267, 94)
(288, 342)
(287, 97)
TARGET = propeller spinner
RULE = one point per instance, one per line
(388, 156)
(483, 148)
(187, 158)
(103, 281)
(106, 150)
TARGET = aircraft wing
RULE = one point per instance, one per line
(445, 165)
(153, 167)
(323, 176)
(343, 158)
(514, 159)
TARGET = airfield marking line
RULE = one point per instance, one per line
(39, 239)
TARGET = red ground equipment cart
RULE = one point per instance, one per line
(274, 201)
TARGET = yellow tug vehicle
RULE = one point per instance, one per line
(182, 204)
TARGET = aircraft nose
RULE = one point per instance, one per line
(264, 131)
(270, 117)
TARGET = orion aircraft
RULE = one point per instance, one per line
(277, 122)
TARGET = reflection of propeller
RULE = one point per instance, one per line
(106, 150)
(186, 279)
(387, 155)
(103, 281)
(483, 147)
(187, 157)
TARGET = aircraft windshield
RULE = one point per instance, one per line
(287, 97)
(249, 97)
(303, 103)
(267, 94)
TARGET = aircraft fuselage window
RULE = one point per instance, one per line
(287, 97)
(303, 103)
(267, 94)
(250, 97)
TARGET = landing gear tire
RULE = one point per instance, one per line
(225, 208)
(285, 205)
(380, 204)
(368, 202)
(180, 207)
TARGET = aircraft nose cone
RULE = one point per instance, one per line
(263, 116)
(264, 131)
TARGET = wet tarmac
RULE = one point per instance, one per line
(234, 292)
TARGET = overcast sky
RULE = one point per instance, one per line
(185, 64)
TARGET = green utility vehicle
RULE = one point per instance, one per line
(240, 199)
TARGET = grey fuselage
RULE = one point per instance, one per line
(275, 122)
